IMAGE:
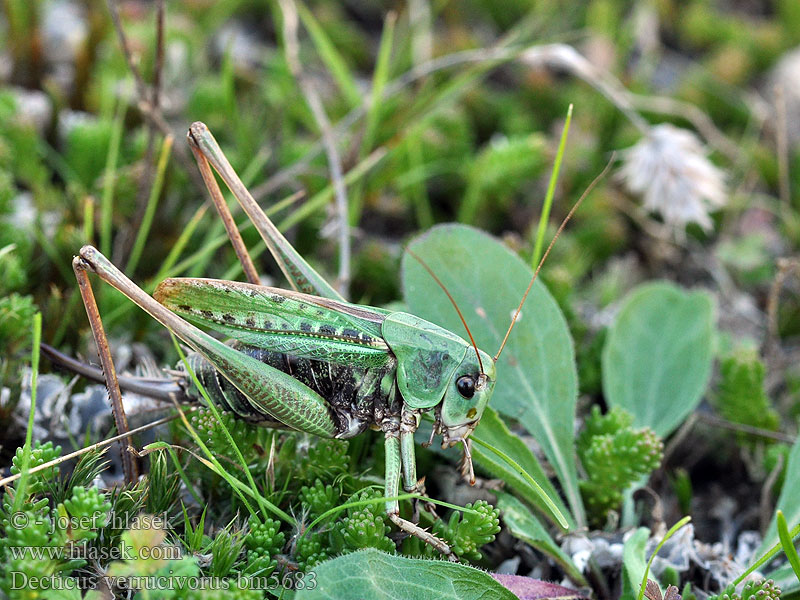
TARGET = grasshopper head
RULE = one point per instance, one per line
(466, 397)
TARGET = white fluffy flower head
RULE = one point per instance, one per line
(670, 169)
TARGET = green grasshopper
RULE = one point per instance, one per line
(306, 359)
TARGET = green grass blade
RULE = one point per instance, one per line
(551, 189)
(19, 494)
(417, 189)
(110, 179)
(174, 456)
(379, 80)
(177, 248)
(88, 219)
(265, 504)
(330, 56)
(380, 500)
(562, 521)
(150, 208)
(766, 557)
(669, 534)
(787, 542)
(321, 198)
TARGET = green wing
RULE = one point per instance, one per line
(280, 320)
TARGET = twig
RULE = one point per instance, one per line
(786, 266)
(566, 57)
(558, 55)
(12, 478)
(782, 148)
(699, 120)
(292, 51)
(126, 49)
(159, 66)
(749, 429)
(418, 72)
(181, 150)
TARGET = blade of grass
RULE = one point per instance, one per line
(551, 188)
(90, 448)
(379, 500)
(110, 178)
(321, 198)
(416, 187)
(88, 219)
(379, 79)
(180, 244)
(265, 504)
(330, 56)
(562, 521)
(152, 203)
(668, 535)
(766, 557)
(20, 492)
(787, 543)
(174, 456)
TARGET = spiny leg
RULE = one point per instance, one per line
(130, 462)
(225, 214)
(300, 274)
(394, 466)
(266, 388)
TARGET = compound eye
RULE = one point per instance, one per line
(466, 386)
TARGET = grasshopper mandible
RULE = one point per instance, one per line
(306, 359)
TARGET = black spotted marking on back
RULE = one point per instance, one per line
(185, 308)
(278, 299)
(327, 330)
(351, 333)
(305, 326)
(207, 314)
(228, 318)
(250, 322)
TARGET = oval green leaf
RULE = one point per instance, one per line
(536, 374)
(658, 354)
(373, 574)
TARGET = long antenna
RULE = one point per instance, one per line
(550, 247)
(458, 310)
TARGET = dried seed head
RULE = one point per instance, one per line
(670, 169)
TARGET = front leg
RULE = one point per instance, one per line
(394, 467)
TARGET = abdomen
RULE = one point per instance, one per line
(355, 395)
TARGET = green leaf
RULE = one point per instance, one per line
(524, 525)
(377, 575)
(536, 374)
(657, 357)
(494, 432)
(788, 501)
(634, 563)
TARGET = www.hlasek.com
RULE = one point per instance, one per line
(169, 581)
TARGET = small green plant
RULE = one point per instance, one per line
(363, 527)
(468, 531)
(614, 456)
(761, 589)
(741, 397)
